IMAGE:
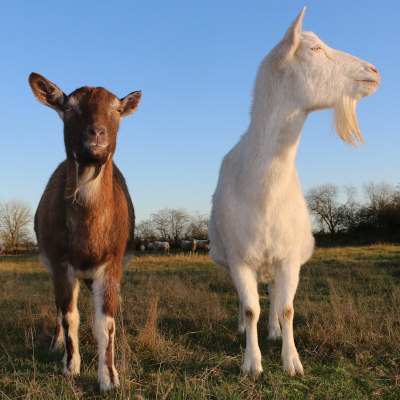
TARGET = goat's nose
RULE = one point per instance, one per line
(97, 131)
(372, 68)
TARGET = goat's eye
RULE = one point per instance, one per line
(120, 110)
(316, 48)
(67, 108)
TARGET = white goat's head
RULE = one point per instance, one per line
(316, 76)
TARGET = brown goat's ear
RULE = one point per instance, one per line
(46, 91)
(130, 102)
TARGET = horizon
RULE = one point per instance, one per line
(196, 66)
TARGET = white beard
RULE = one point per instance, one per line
(346, 121)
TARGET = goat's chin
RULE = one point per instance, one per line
(94, 157)
(346, 122)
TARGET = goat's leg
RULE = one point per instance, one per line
(286, 281)
(105, 295)
(58, 339)
(242, 321)
(246, 285)
(274, 329)
(66, 291)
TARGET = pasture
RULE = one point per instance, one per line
(177, 331)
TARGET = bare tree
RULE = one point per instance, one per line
(178, 219)
(379, 195)
(15, 223)
(145, 229)
(198, 227)
(170, 224)
(161, 223)
(351, 208)
(324, 204)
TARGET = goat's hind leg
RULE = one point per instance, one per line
(246, 285)
(274, 329)
(242, 321)
(66, 292)
(286, 281)
(57, 341)
(105, 296)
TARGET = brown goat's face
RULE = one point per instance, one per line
(91, 118)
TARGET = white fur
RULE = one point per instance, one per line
(260, 226)
(88, 185)
(92, 273)
(274, 329)
(72, 318)
(102, 326)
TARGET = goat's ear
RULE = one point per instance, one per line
(130, 102)
(290, 42)
(46, 91)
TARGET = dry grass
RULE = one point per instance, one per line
(177, 339)
(148, 336)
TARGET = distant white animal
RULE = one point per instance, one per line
(260, 226)
(159, 246)
(188, 246)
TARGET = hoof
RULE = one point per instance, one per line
(74, 367)
(107, 386)
(108, 382)
(292, 364)
(252, 365)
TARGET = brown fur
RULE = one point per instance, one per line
(85, 216)
(249, 314)
(110, 353)
(69, 347)
(85, 236)
(288, 313)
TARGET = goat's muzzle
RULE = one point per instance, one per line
(96, 144)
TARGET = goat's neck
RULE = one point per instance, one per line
(272, 139)
(89, 186)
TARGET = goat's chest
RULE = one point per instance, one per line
(90, 235)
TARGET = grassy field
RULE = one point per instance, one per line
(177, 332)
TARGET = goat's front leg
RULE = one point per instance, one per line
(286, 281)
(246, 285)
(105, 295)
(66, 291)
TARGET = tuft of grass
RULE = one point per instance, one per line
(148, 336)
(177, 334)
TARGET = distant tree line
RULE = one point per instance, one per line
(340, 218)
(172, 225)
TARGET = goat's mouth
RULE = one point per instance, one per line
(96, 151)
(371, 82)
(367, 86)
(368, 81)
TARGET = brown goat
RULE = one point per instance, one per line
(86, 217)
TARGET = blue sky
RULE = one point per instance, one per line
(195, 63)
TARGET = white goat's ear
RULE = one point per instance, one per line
(290, 42)
(129, 103)
(46, 91)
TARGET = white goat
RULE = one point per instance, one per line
(260, 227)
